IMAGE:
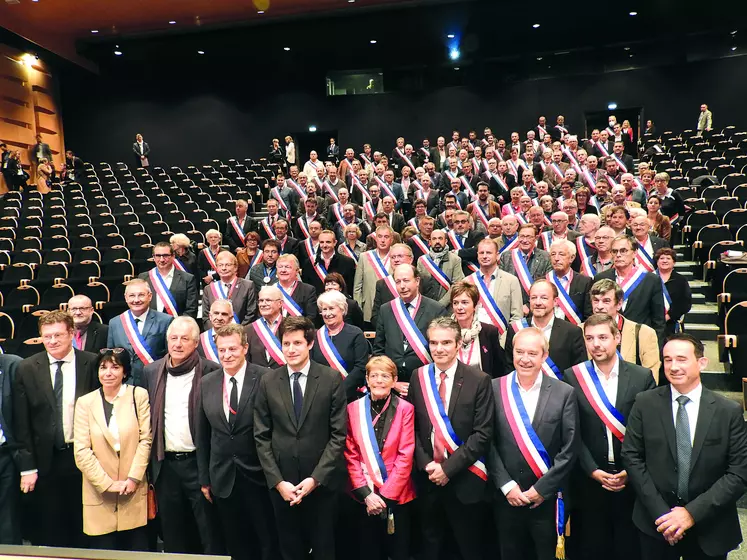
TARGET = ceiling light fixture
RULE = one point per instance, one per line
(260, 12)
(454, 54)
(118, 53)
(633, 14)
(351, 1)
(200, 52)
(286, 48)
(456, 67)
(450, 35)
(539, 58)
(734, 48)
(373, 41)
(172, 22)
(94, 31)
(627, 48)
(536, 25)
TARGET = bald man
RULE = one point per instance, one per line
(89, 335)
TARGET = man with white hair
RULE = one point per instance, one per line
(264, 346)
(220, 315)
(558, 230)
(240, 291)
(588, 225)
(574, 303)
(632, 193)
(495, 228)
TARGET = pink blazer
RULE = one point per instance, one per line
(398, 452)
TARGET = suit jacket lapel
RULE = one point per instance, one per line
(623, 382)
(216, 395)
(285, 394)
(389, 418)
(81, 365)
(668, 422)
(544, 396)
(43, 379)
(100, 418)
(456, 389)
(706, 412)
(149, 320)
(250, 379)
(312, 383)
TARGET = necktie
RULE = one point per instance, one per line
(297, 395)
(59, 432)
(78, 340)
(233, 402)
(684, 448)
(438, 443)
(137, 325)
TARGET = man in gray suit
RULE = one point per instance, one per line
(406, 347)
(530, 467)
(167, 280)
(446, 265)
(240, 291)
(10, 530)
(705, 119)
(537, 260)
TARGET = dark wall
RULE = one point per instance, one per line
(194, 119)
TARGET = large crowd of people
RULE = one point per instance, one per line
(526, 372)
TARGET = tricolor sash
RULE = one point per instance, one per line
(467, 187)
(289, 304)
(620, 164)
(500, 181)
(384, 187)
(414, 223)
(548, 366)
(404, 158)
(337, 211)
(220, 293)
(330, 353)
(257, 258)
(425, 151)
(542, 130)
(366, 161)
(565, 302)
(276, 196)
(361, 424)
(510, 209)
(546, 237)
(381, 271)
(412, 334)
(589, 382)
(308, 246)
(136, 340)
(481, 214)
(513, 168)
(667, 297)
(631, 282)
(349, 251)
(571, 156)
(511, 245)
(236, 227)
(543, 166)
(358, 185)
(602, 149)
(522, 269)
(299, 191)
(209, 348)
(303, 226)
(458, 244)
(370, 210)
(521, 217)
(555, 167)
(488, 302)
(586, 174)
(561, 128)
(331, 191)
(438, 274)
(269, 340)
(163, 293)
(422, 245)
(321, 270)
(268, 228)
(210, 258)
(584, 252)
(179, 266)
(644, 259)
(437, 413)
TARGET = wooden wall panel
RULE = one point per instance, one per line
(29, 105)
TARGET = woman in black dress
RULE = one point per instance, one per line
(680, 298)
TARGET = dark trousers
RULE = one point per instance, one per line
(371, 533)
(653, 548)
(57, 504)
(248, 509)
(10, 524)
(308, 525)
(441, 511)
(181, 505)
(525, 533)
(603, 524)
(133, 540)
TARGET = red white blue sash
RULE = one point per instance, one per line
(548, 366)
(521, 217)
(631, 282)
(220, 293)
(511, 245)
(667, 296)
(330, 353)
(303, 226)
(321, 270)
(571, 156)
(268, 228)
(381, 272)
(467, 187)
(546, 237)
(210, 258)
(644, 259)
(404, 158)
(308, 246)
(584, 255)
(586, 174)
(349, 251)
(620, 164)
(602, 149)
(415, 338)
(543, 166)
(289, 304)
(236, 227)
(513, 168)
(522, 269)
(384, 187)
(337, 211)
(370, 210)
(179, 266)
(510, 210)
(562, 129)
(438, 415)
(610, 181)
(257, 258)
(276, 196)
(358, 185)
(301, 193)
(565, 302)
(366, 161)
(488, 303)
(414, 223)
(438, 274)
(163, 294)
(542, 130)
(458, 244)
(592, 388)
(361, 424)
(422, 245)
(425, 151)
(269, 340)
(209, 348)
(481, 214)
(136, 340)
(500, 181)
(555, 167)
(476, 166)
(331, 191)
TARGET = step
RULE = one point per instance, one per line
(702, 331)
(687, 266)
(703, 313)
(700, 287)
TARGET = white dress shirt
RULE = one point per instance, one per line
(547, 329)
(301, 378)
(530, 398)
(113, 425)
(167, 280)
(227, 387)
(692, 407)
(68, 391)
(141, 320)
(450, 373)
(609, 384)
(177, 437)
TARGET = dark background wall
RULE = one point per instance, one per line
(192, 117)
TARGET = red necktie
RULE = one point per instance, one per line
(439, 448)
(78, 340)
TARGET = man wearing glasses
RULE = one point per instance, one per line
(175, 290)
(464, 241)
(89, 335)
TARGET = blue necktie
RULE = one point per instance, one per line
(297, 395)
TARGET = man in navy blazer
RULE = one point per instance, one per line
(151, 326)
(10, 532)
(180, 284)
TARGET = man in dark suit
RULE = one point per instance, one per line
(644, 302)
(333, 151)
(38, 152)
(181, 285)
(237, 226)
(312, 214)
(230, 473)
(395, 219)
(406, 348)
(240, 291)
(10, 527)
(577, 306)
(624, 161)
(173, 383)
(537, 260)
(300, 424)
(565, 340)
(685, 451)
(603, 499)
(288, 245)
(450, 475)
(299, 298)
(464, 241)
(44, 393)
(528, 482)
(89, 335)
(400, 254)
(648, 244)
(328, 260)
(140, 149)
(264, 346)
(139, 330)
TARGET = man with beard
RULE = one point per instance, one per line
(483, 209)
(442, 265)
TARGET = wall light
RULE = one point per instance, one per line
(118, 53)
(312, 128)
(536, 25)
(94, 31)
(372, 41)
(200, 52)
(633, 14)
(454, 54)
(450, 36)
(612, 106)
(286, 49)
(28, 59)
(172, 22)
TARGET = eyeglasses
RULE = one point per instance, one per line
(162, 256)
(267, 300)
(78, 309)
(114, 351)
(382, 376)
(623, 251)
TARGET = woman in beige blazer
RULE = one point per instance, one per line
(112, 448)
